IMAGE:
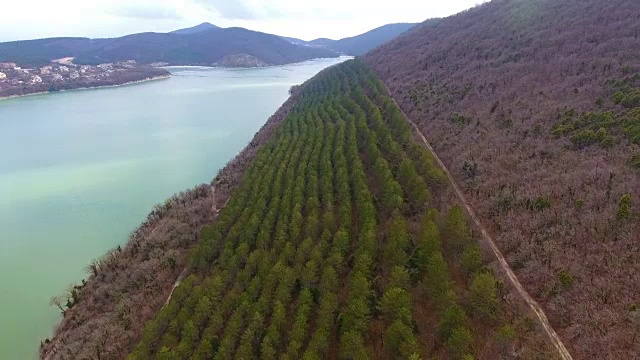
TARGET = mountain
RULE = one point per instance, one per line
(534, 106)
(204, 44)
(208, 47)
(361, 44)
(195, 29)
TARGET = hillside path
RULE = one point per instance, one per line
(504, 265)
(215, 211)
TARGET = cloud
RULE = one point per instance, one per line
(146, 11)
(306, 19)
(230, 9)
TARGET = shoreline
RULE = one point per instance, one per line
(128, 83)
(163, 77)
(205, 67)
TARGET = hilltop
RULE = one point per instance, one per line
(196, 29)
(534, 107)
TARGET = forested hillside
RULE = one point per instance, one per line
(205, 45)
(534, 106)
(209, 47)
(341, 241)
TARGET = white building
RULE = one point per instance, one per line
(3, 76)
(57, 77)
(64, 69)
(45, 70)
(36, 79)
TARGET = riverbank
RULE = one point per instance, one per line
(133, 82)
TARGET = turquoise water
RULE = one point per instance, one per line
(80, 170)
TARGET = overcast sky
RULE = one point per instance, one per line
(305, 19)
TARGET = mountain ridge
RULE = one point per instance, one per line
(204, 44)
(361, 44)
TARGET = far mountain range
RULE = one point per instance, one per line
(204, 44)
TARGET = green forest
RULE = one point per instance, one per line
(339, 243)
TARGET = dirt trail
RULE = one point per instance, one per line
(511, 276)
(213, 203)
(215, 211)
(175, 285)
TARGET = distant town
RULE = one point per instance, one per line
(63, 74)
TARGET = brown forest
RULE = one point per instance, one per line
(533, 105)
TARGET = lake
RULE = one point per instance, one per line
(80, 170)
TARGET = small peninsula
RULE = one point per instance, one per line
(63, 74)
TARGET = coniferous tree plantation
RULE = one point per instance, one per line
(340, 242)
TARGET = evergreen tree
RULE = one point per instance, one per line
(352, 347)
(484, 296)
(459, 343)
(456, 229)
(624, 207)
(398, 241)
(438, 280)
(428, 243)
(452, 318)
(471, 259)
